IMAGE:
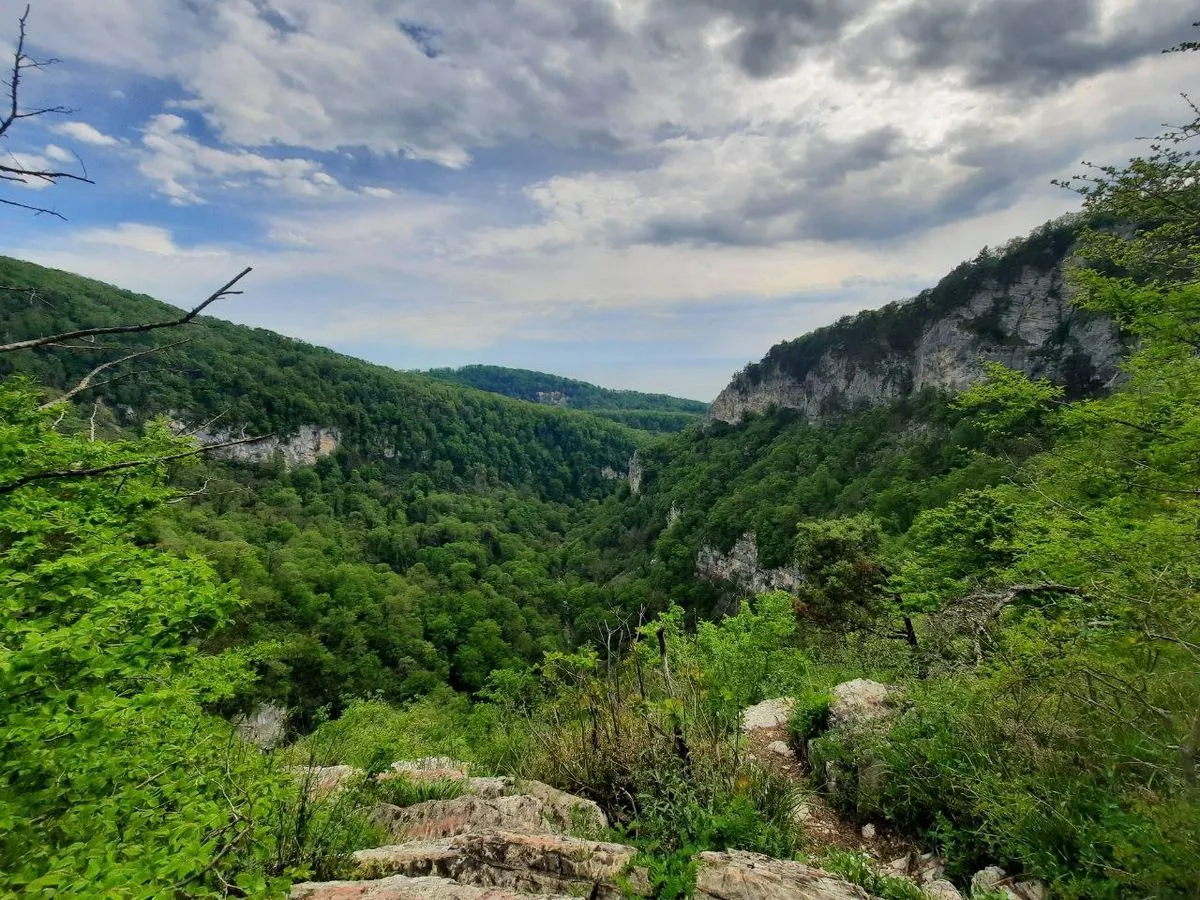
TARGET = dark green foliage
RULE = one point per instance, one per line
(649, 412)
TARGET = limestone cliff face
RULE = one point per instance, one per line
(309, 444)
(1010, 308)
(741, 568)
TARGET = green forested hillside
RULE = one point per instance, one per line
(650, 412)
(262, 382)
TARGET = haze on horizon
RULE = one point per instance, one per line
(642, 194)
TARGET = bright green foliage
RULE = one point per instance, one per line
(1007, 399)
(113, 779)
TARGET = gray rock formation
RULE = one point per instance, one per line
(738, 875)
(740, 567)
(860, 702)
(530, 863)
(769, 714)
(265, 727)
(303, 448)
(938, 340)
(401, 887)
(636, 472)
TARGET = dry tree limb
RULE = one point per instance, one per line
(17, 171)
(86, 382)
(186, 318)
(64, 474)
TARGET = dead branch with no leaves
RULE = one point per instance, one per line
(13, 168)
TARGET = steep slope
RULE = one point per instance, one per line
(652, 412)
(1009, 306)
(311, 399)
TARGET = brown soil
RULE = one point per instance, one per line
(824, 828)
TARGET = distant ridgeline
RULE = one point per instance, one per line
(649, 412)
(313, 400)
(1008, 305)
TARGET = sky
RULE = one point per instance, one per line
(644, 194)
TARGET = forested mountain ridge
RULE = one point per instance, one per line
(1008, 305)
(652, 412)
(255, 381)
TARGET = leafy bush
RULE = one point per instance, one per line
(809, 718)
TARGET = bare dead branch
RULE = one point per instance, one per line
(186, 318)
(66, 474)
(36, 210)
(86, 382)
(18, 171)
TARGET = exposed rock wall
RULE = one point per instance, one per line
(303, 448)
(1026, 323)
(740, 567)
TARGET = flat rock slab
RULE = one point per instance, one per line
(514, 861)
(401, 887)
(553, 813)
(768, 714)
(861, 701)
(738, 875)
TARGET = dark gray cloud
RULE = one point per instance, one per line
(771, 35)
(872, 188)
(1024, 46)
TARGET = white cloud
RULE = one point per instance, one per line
(144, 239)
(181, 167)
(85, 134)
(626, 158)
(58, 154)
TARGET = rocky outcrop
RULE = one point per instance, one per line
(637, 471)
(304, 447)
(738, 875)
(530, 863)
(462, 815)
(265, 727)
(740, 567)
(401, 887)
(493, 846)
(1000, 310)
(770, 714)
(862, 702)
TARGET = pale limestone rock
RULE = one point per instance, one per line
(768, 714)
(740, 567)
(860, 702)
(304, 447)
(989, 879)
(1026, 890)
(265, 727)
(637, 471)
(868, 832)
(401, 887)
(541, 810)
(533, 863)
(321, 781)
(738, 875)
(940, 889)
(780, 748)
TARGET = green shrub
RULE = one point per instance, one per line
(809, 718)
(859, 869)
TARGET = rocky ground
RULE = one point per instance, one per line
(508, 839)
